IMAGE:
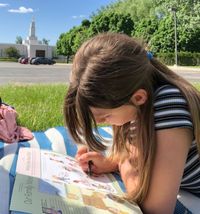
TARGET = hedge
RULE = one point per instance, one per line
(183, 58)
(8, 59)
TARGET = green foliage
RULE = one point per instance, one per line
(184, 58)
(3, 59)
(12, 52)
(39, 107)
(163, 39)
(45, 41)
(18, 40)
(150, 20)
(138, 9)
(69, 42)
(86, 23)
(146, 28)
(188, 28)
(113, 22)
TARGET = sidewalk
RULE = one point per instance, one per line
(184, 68)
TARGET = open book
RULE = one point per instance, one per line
(51, 183)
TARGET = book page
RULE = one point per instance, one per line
(51, 183)
(66, 169)
(37, 196)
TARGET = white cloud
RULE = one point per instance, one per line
(21, 10)
(4, 5)
(78, 17)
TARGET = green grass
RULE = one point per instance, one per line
(38, 106)
(8, 60)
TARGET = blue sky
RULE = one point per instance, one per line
(51, 17)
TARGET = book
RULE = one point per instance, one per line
(51, 183)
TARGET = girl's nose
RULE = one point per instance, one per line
(100, 120)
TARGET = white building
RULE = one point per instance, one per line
(30, 47)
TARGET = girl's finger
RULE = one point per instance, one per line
(90, 156)
(81, 151)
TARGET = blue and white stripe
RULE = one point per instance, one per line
(55, 139)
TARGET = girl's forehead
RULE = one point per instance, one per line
(100, 111)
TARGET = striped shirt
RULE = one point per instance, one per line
(171, 111)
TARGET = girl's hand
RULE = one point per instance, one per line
(101, 164)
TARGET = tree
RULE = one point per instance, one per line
(64, 46)
(12, 52)
(69, 42)
(114, 22)
(85, 23)
(150, 20)
(18, 40)
(188, 28)
(45, 41)
(163, 39)
(146, 28)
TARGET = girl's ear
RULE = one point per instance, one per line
(139, 97)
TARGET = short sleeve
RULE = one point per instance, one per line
(171, 109)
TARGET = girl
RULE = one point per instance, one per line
(155, 116)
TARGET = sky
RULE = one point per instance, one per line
(51, 17)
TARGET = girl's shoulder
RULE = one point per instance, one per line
(171, 108)
(166, 89)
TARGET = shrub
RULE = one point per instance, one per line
(12, 52)
(184, 58)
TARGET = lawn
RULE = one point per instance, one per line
(38, 106)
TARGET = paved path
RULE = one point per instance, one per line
(190, 73)
(59, 73)
(19, 73)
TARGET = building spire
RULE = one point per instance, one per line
(32, 30)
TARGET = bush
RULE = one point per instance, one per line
(12, 52)
(184, 58)
(8, 59)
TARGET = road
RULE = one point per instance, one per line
(59, 73)
(19, 73)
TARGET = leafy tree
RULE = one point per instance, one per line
(18, 40)
(138, 9)
(12, 52)
(69, 42)
(152, 17)
(63, 46)
(86, 23)
(146, 28)
(45, 41)
(163, 39)
(188, 19)
(150, 20)
(114, 22)
(99, 24)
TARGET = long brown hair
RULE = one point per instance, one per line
(106, 71)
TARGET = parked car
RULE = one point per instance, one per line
(25, 60)
(20, 59)
(42, 60)
(31, 60)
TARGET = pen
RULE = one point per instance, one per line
(90, 167)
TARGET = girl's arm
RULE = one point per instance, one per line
(172, 149)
